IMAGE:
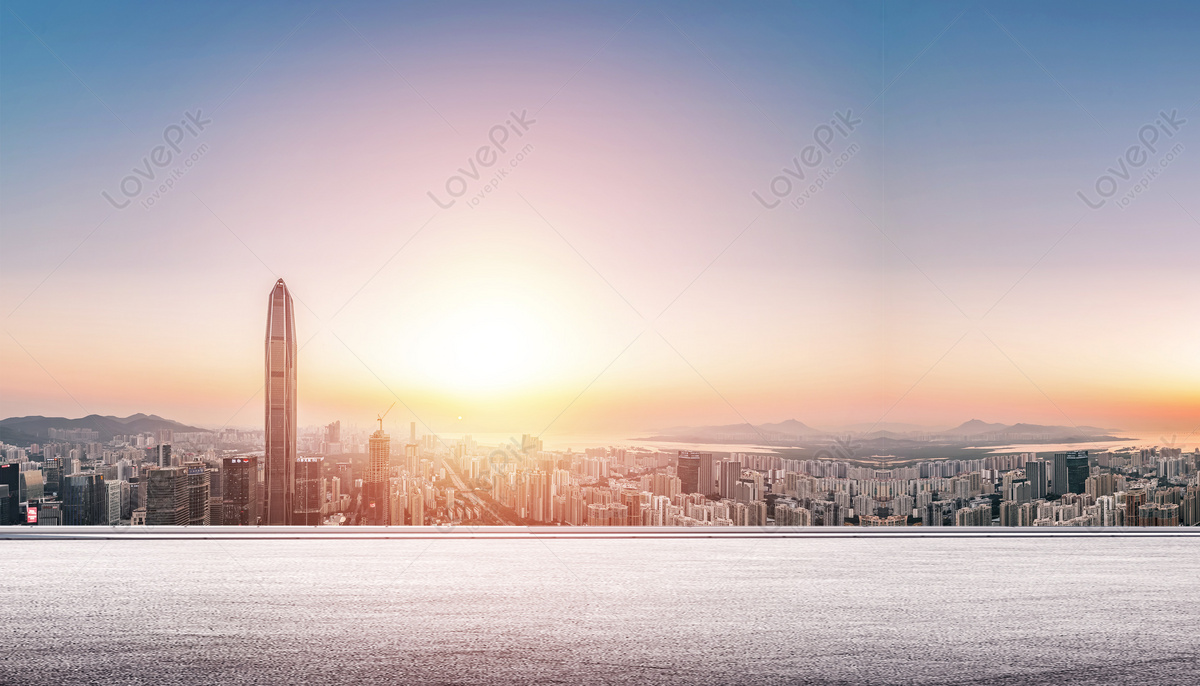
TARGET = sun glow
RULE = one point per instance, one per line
(486, 347)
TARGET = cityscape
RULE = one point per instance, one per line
(620, 342)
(331, 476)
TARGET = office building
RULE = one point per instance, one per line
(707, 475)
(52, 470)
(1058, 474)
(84, 500)
(308, 493)
(166, 496)
(6, 499)
(32, 485)
(375, 484)
(688, 470)
(112, 502)
(727, 477)
(239, 491)
(1038, 478)
(198, 489)
(10, 475)
(280, 425)
(1076, 465)
(162, 455)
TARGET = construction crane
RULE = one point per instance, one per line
(385, 413)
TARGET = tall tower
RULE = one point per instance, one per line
(280, 387)
(375, 486)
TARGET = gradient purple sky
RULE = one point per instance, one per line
(621, 276)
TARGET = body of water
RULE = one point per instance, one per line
(921, 610)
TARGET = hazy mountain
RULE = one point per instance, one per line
(973, 427)
(793, 432)
(785, 431)
(977, 428)
(37, 428)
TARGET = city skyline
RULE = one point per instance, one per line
(622, 342)
(630, 271)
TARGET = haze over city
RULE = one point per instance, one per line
(630, 271)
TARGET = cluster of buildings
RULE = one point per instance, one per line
(620, 487)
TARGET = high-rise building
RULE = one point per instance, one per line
(162, 455)
(412, 454)
(84, 499)
(10, 475)
(375, 485)
(730, 474)
(416, 505)
(52, 467)
(1058, 474)
(112, 502)
(33, 487)
(239, 491)
(707, 477)
(308, 493)
(198, 490)
(688, 470)
(1035, 473)
(166, 496)
(280, 456)
(1076, 464)
(1133, 501)
(6, 498)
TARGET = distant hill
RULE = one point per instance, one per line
(36, 429)
(785, 432)
(973, 427)
(794, 433)
(983, 430)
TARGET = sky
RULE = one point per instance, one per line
(605, 219)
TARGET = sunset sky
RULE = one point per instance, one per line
(622, 275)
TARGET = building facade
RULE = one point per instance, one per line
(375, 484)
(280, 389)
(308, 492)
(166, 496)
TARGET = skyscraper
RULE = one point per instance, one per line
(280, 388)
(688, 470)
(166, 496)
(162, 455)
(1035, 472)
(1077, 470)
(309, 495)
(239, 492)
(707, 478)
(10, 476)
(83, 501)
(375, 485)
(1058, 475)
(728, 476)
(198, 490)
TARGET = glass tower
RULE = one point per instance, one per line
(280, 458)
(375, 486)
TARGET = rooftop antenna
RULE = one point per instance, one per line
(385, 413)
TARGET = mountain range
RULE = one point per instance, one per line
(796, 432)
(36, 429)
